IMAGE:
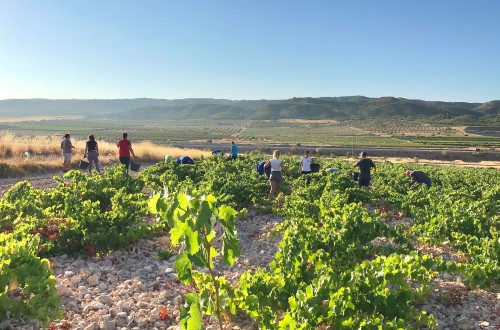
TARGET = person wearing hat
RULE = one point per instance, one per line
(418, 177)
(365, 165)
(67, 150)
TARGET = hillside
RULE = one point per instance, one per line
(339, 108)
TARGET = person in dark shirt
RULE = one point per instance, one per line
(185, 160)
(92, 152)
(365, 164)
(419, 177)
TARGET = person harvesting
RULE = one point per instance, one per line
(125, 150)
(234, 151)
(92, 152)
(365, 165)
(418, 177)
(276, 177)
(305, 163)
(67, 151)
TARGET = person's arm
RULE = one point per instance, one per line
(131, 150)
(374, 167)
(300, 166)
(86, 149)
(97, 148)
(267, 163)
(413, 180)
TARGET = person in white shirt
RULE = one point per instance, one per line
(276, 177)
(305, 163)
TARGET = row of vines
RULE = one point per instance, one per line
(329, 272)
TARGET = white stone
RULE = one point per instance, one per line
(178, 300)
(106, 300)
(96, 305)
(92, 326)
(93, 280)
(122, 315)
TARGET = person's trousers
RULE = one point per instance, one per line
(93, 157)
(125, 161)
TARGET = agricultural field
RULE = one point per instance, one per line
(389, 133)
(326, 255)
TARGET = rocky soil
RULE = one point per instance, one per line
(128, 288)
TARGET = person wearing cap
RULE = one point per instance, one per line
(365, 165)
(305, 163)
(418, 177)
(67, 151)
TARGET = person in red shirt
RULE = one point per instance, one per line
(124, 150)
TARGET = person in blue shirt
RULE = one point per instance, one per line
(261, 169)
(234, 150)
(185, 160)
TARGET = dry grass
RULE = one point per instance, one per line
(22, 155)
(36, 118)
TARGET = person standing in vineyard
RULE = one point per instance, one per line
(92, 152)
(305, 163)
(124, 150)
(67, 150)
(419, 177)
(276, 177)
(365, 164)
(234, 151)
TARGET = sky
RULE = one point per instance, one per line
(447, 50)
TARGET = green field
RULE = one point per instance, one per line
(391, 133)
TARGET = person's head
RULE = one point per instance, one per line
(408, 172)
(306, 153)
(276, 154)
(66, 136)
(363, 154)
(125, 135)
(232, 142)
(91, 137)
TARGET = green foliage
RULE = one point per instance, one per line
(94, 214)
(233, 182)
(27, 284)
(197, 224)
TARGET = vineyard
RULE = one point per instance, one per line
(346, 259)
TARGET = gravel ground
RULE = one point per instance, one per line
(127, 289)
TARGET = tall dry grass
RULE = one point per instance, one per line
(23, 155)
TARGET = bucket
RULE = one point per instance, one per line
(315, 168)
(83, 165)
(135, 167)
(355, 176)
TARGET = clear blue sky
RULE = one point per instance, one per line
(428, 49)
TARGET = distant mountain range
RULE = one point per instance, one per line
(339, 108)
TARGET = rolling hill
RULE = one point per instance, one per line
(339, 108)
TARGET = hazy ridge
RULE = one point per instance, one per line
(339, 108)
